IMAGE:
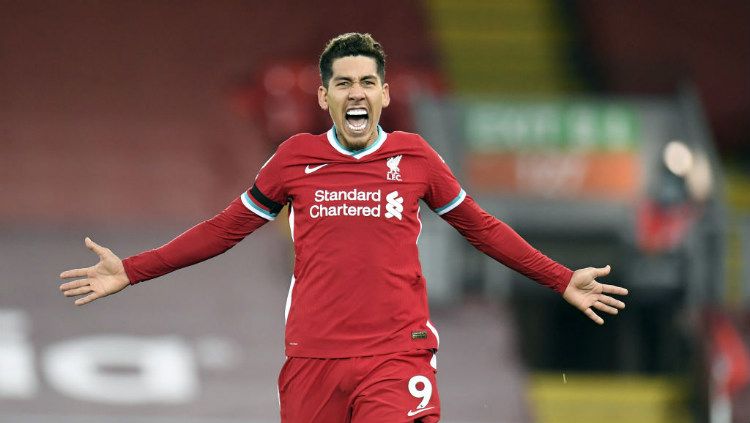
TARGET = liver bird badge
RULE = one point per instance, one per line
(394, 173)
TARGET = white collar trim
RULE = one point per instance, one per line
(357, 154)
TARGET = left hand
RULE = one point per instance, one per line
(586, 294)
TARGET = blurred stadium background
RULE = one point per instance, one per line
(605, 132)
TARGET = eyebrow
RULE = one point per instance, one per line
(349, 78)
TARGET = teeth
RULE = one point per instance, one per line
(356, 128)
(356, 112)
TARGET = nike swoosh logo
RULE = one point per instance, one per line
(414, 413)
(309, 170)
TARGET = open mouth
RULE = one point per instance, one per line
(356, 119)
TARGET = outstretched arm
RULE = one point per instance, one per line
(501, 242)
(201, 242)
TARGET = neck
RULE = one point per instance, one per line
(345, 143)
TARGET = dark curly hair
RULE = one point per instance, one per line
(350, 44)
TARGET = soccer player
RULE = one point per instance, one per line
(360, 345)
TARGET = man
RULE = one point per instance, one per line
(359, 343)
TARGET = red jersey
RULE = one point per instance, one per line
(357, 287)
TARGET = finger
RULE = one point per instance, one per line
(75, 273)
(602, 271)
(606, 299)
(604, 307)
(593, 316)
(96, 248)
(614, 289)
(87, 299)
(75, 284)
(78, 291)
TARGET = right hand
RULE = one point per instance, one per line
(104, 278)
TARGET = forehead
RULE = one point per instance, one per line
(354, 67)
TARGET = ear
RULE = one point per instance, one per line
(386, 95)
(322, 100)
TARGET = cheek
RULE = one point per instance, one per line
(334, 102)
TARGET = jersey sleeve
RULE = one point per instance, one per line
(499, 241)
(256, 206)
(444, 193)
(268, 195)
(201, 242)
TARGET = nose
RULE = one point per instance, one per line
(356, 92)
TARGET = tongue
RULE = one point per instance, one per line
(356, 120)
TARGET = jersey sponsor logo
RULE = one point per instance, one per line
(309, 170)
(394, 206)
(356, 202)
(345, 198)
(394, 173)
(412, 413)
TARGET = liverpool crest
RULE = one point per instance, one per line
(394, 173)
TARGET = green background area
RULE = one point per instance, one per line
(588, 125)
